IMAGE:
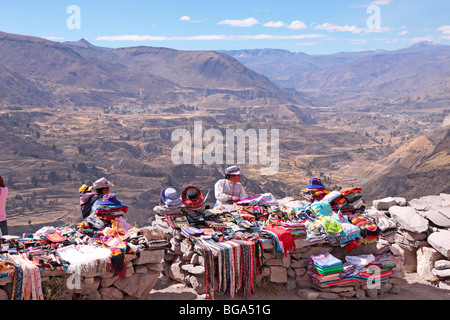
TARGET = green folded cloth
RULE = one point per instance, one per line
(327, 270)
(331, 225)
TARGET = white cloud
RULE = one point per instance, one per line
(137, 38)
(297, 25)
(294, 25)
(249, 22)
(274, 24)
(188, 19)
(402, 33)
(444, 29)
(330, 27)
(377, 30)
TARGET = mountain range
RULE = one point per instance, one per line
(37, 71)
(417, 75)
(72, 112)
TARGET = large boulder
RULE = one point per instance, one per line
(437, 218)
(138, 285)
(442, 264)
(110, 293)
(384, 204)
(278, 274)
(445, 211)
(409, 219)
(149, 256)
(440, 240)
(426, 258)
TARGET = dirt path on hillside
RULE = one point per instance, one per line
(414, 289)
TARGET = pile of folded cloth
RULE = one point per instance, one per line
(332, 229)
(315, 231)
(350, 233)
(188, 231)
(110, 208)
(282, 237)
(368, 269)
(297, 229)
(369, 230)
(324, 267)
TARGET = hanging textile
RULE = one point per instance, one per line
(31, 277)
(239, 261)
(17, 277)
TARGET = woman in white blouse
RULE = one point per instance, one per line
(230, 190)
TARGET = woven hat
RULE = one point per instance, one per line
(109, 199)
(315, 183)
(192, 198)
(233, 171)
(102, 183)
(170, 197)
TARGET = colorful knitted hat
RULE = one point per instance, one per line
(315, 183)
(192, 198)
(170, 197)
(110, 204)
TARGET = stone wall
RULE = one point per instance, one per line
(142, 273)
(184, 264)
(421, 233)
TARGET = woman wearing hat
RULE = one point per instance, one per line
(102, 188)
(230, 190)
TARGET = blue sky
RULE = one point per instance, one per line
(315, 27)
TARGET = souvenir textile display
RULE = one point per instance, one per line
(70, 249)
(262, 217)
(239, 261)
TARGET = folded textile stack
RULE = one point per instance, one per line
(350, 233)
(333, 229)
(350, 200)
(110, 207)
(315, 231)
(368, 269)
(54, 237)
(191, 231)
(369, 230)
(297, 229)
(283, 238)
(177, 221)
(324, 267)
